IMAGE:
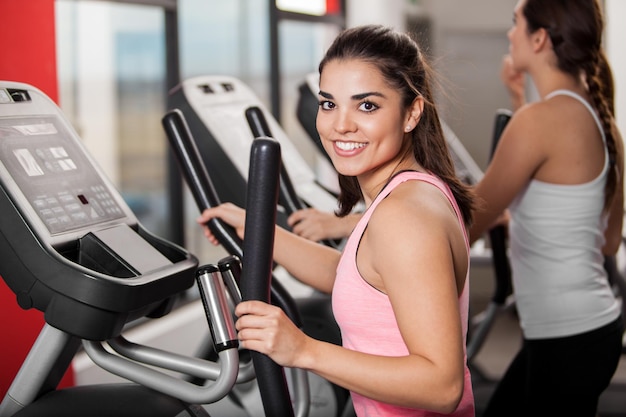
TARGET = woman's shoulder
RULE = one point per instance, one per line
(532, 122)
(421, 201)
(556, 108)
(536, 111)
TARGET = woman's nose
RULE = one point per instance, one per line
(344, 123)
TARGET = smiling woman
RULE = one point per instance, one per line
(400, 288)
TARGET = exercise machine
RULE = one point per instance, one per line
(224, 116)
(215, 108)
(312, 314)
(73, 249)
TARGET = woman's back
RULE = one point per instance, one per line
(568, 136)
(557, 225)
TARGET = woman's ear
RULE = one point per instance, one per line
(414, 114)
(541, 39)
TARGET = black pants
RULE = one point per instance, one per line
(559, 377)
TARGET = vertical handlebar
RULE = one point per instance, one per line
(287, 195)
(497, 235)
(195, 173)
(197, 177)
(258, 246)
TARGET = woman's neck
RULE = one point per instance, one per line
(374, 181)
(547, 81)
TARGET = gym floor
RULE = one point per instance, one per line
(502, 343)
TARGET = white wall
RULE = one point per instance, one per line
(384, 12)
(469, 40)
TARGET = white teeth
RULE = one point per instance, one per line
(349, 146)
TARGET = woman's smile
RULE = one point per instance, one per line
(349, 146)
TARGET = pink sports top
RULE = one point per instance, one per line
(365, 315)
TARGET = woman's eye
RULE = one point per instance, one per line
(326, 105)
(368, 106)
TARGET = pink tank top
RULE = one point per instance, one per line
(365, 316)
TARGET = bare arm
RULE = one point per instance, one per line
(312, 263)
(518, 155)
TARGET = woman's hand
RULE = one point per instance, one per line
(267, 329)
(514, 81)
(229, 214)
(317, 225)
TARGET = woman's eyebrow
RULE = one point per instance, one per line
(360, 96)
(325, 94)
(366, 95)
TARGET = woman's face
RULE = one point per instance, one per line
(519, 38)
(361, 120)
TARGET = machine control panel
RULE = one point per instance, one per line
(59, 183)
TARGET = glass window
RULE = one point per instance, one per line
(302, 47)
(226, 38)
(111, 66)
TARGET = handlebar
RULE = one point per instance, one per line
(287, 196)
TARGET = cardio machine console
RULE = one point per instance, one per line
(70, 245)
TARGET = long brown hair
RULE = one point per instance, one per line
(575, 28)
(399, 59)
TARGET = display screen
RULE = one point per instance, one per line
(54, 174)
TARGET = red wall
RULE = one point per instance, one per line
(27, 45)
(27, 42)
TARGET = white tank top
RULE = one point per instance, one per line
(561, 287)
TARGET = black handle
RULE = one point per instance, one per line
(497, 234)
(195, 173)
(258, 247)
(287, 196)
(197, 177)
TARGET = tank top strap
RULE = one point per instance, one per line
(421, 176)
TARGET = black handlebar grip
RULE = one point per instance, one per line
(287, 196)
(262, 199)
(197, 177)
(497, 234)
(501, 120)
(194, 171)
